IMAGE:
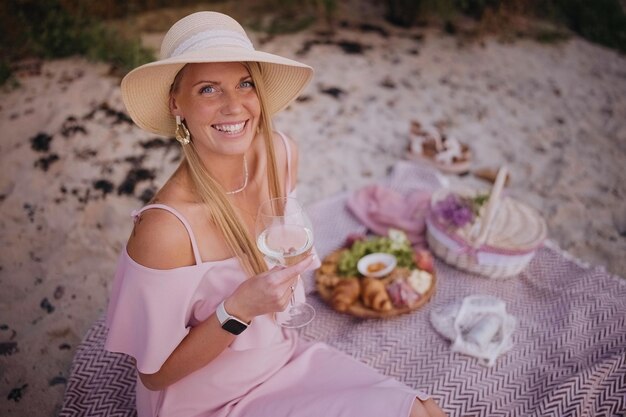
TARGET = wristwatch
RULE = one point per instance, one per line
(230, 323)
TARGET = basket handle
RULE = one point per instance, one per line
(492, 207)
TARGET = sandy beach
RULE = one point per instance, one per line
(73, 165)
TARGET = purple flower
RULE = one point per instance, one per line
(454, 211)
(462, 216)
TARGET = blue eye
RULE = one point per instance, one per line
(207, 89)
(246, 84)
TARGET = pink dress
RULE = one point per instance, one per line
(266, 371)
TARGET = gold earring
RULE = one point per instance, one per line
(182, 133)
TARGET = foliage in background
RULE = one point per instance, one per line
(48, 29)
(601, 21)
(403, 12)
(60, 28)
(289, 16)
(110, 9)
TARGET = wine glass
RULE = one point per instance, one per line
(285, 237)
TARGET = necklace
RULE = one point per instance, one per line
(245, 178)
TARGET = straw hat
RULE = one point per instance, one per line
(205, 37)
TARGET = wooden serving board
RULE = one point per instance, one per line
(358, 309)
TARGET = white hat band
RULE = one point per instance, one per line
(212, 38)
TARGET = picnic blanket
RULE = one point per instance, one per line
(569, 357)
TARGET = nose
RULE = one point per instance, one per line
(231, 103)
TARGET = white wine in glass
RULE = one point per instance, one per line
(285, 237)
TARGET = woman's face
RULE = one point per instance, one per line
(220, 107)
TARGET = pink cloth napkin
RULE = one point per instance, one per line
(380, 208)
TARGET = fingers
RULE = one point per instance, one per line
(433, 409)
(287, 273)
(284, 302)
(271, 291)
(426, 408)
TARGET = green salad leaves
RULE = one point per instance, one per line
(396, 244)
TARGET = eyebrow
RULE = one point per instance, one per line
(219, 83)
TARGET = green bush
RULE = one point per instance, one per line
(288, 16)
(54, 35)
(601, 21)
(403, 12)
(5, 72)
(46, 29)
(476, 8)
(106, 45)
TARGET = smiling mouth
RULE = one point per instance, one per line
(230, 128)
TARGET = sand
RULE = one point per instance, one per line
(73, 165)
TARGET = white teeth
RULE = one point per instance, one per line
(230, 128)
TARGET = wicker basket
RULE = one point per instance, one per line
(505, 241)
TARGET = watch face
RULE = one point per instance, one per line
(234, 326)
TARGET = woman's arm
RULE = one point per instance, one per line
(160, 241)
(202, 344)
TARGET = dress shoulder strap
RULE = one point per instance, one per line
(183, 220)
(288, 152)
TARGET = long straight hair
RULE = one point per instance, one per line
(219, 208)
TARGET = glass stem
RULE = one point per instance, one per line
(292, 301)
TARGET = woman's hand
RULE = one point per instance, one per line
(265, 293)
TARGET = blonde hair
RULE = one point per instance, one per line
(239, 241)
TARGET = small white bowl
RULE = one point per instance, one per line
(373, 258)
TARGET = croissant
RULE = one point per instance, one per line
(345, 293)
(328, 280)
(328, 268)
(374, 295)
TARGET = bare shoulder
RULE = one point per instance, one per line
(159, 240)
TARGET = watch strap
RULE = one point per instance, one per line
(223, 316)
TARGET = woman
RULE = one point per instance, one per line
(193, 300)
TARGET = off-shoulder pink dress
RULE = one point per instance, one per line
(266, 372)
